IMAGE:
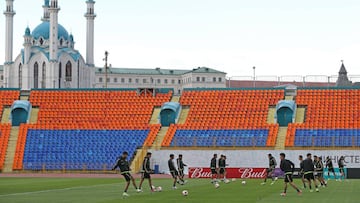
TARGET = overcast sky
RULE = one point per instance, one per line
(279, 37)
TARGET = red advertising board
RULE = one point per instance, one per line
(203, 172)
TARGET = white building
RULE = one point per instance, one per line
(48, 58)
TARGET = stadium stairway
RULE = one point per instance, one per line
(300, 114)
(136, 163)
(155, 115)
(34, 115)
(175, 99)
(6, 115)
(280, 139)
(183, 114)
(159, 138)
(271, 114)
(10, 152)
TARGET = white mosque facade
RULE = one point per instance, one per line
(48, 58)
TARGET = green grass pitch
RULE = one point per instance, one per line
(90, 190)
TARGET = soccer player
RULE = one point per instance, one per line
(319, 168)
(309, 172)
(174, 173)
(213, 168)
(146, 171)
(288, 167)
(329, 165)
(270, 171)
(181, 166)
(341, 164)
(222, 167)
(301, 172)
(124, 167)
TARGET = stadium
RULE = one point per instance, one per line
(64, 144)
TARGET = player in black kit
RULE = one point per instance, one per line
(329, 165)
(341, 163)
(222, 167)
(214, 174)
(181, 166)
(146, 171)
(174, 173)
(301, 172)
(288, 167)
(270, 171)
(124, 167)
(319, 168)
(309, 172)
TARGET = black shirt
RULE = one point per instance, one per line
(319, 166)
(123, 165)
(222, 163)
(341, 163)
(302, 166)
(213, 163)
(329, 163)
(146, 165)
(308, 165)
(272, 162)
(180, 164)
(287, 166)
(171, 165)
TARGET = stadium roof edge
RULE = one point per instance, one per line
(228, 89)
(328, 88)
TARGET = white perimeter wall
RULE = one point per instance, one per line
(249, 158)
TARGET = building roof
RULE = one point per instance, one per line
(43, 30)
(157, 71)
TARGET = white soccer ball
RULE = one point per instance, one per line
(217, 185)
(243, 182)
(185, 192)
(159, 189)
(226, 181)
(233, 180)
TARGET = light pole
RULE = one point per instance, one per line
(106, 67)
(254, 85)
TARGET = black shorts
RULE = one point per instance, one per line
(331, 170)
(341, 169)
(222, 171)
(181, 172)
(213, 171)
(319, 175)
(288, 178)
(127, 176)
(174, 174)
(145, 175)
(309, 176)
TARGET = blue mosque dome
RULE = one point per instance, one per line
(43, 30)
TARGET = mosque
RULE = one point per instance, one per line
(48, 58)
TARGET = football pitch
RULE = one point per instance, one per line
(106, 190)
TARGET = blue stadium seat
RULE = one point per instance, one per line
(327, 137)
(220, 138)
(79, 149)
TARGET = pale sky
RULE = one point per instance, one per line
(279, 37)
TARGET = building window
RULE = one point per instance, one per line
(179, 82)
(220, 79)
(166, 81)
(197, 79)
(115, 80)
(214, 79)
(158, 81)
(36, 75)
(2, 77)
(179, 91)
(43, 75)
(172, 81)
(144, 81)
(60, 74)
(203, 79)
(20, 75)
(107, 79)
(100, 79)
(130, 80)
(122, 80)
(136, 80)
(68, 71)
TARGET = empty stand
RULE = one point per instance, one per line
(217, 112)
(332, 118)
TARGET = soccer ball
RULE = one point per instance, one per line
(243, 182)
(185, 192)
(226, 181)
(217, 185)
(159, 189)
(233, 180)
